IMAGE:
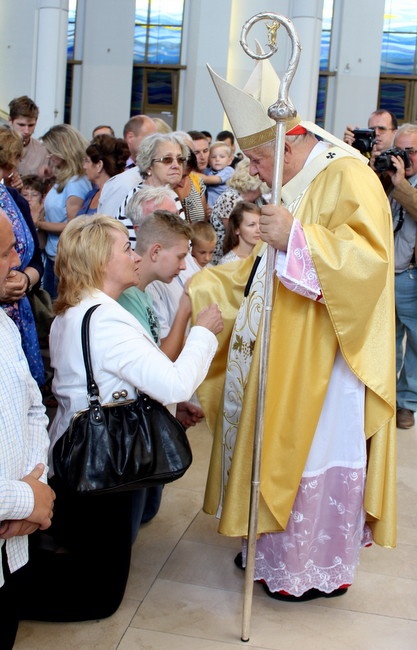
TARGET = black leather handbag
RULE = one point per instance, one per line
(122, 446)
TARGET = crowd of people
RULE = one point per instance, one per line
(168, 231)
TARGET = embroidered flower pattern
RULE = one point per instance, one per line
(310, 538)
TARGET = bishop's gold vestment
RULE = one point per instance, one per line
(348, 229)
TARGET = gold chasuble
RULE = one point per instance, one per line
(348, 228)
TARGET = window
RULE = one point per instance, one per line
(398, 75)
(72, 12)
(324, 61)
(158, 32)
(398, 80)
(157, 58)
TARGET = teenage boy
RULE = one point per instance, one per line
(23, 116)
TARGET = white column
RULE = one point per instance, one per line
(356, 57)
(212, 32)
(307, 18)
(240, 65)
(205, 40)
(50, 62)
(102, 85)
(17, 50)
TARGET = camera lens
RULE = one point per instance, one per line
(360, 145)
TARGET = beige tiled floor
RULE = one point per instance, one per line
(184, 592)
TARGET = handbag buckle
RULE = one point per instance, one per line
(118, 394)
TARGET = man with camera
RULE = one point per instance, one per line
(393, 156)
(382, 127)
(402, 193)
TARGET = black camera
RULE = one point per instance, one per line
(364, 140)
(383, 162)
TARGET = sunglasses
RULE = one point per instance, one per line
(168, 160)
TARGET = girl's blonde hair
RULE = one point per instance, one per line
(84, 248)
(67, 143)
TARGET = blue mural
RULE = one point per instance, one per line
(398, 51)
(158, 32)
(159, 12)
(71, 30)
(157, 44)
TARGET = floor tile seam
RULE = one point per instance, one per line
(359, 612)
(220, 642)
(167, 559)
(215, 545)
(198, 490)
(362, 569)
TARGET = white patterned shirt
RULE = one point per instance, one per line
(24, 439)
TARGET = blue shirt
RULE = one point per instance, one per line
(56, 207)
(214, 191)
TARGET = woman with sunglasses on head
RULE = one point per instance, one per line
(161, 161)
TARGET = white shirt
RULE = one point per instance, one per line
(124, 356)
(166, 297)
(114, 191)
(24, 439)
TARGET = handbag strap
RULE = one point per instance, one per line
(93, 392)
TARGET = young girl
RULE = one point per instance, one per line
(242, 232)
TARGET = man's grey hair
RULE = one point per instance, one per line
(146, 200)
(407, 128)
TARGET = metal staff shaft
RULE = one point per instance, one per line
(281, 112)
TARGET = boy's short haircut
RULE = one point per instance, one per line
(224, 135)
(203, 231)
(218, 144)
(23, 107)
(161, 227)
(197, 135)
(207, 134)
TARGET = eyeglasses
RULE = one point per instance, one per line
(168, 160)
(382, 128)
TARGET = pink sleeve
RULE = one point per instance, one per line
(295, 268)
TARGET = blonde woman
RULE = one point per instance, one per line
(66, 150)
(95, 264)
